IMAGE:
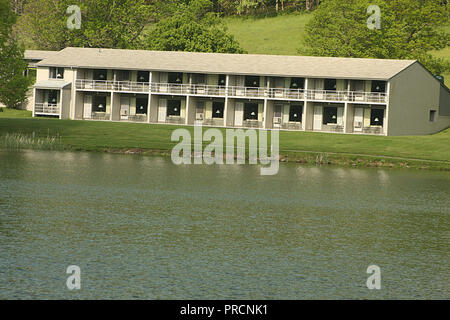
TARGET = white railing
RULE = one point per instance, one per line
(46, 108)
(109, 85)
(232, 91)
(352, 96)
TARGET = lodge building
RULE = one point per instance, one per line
(341, 95)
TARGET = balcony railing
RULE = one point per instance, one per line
(232, 91)
(107, 85)
(351, 96)
(46, 108)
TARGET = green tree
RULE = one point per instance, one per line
(410, 29)
(193, 27)
(13, 83)
(104, 23)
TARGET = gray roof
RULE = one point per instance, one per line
(52, 84)
(245, 64)
(38, 54)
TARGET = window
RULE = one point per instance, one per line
(222, 79)
(141, 105)
(251, 111)
(175, 77)
(99, 104)
(199, 78)
(330, 84)
(143, 76)
(432, 115)
(100, 74)
(297, 83)
(376, 117)
(330, 115)
(252, 81)
(295, 113)
(378, 86)
(53, 96)
(217, 109)
(56, 73)
(173, 107)
(122, 75)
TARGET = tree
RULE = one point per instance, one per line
(192, 28)
(104, 23)
(410, 29)
(13, 83)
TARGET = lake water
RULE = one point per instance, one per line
(143, 228)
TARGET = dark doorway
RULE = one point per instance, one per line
(329, 115)
(250, 111)
(378, 86)
(100, 74)
(175, 77)
(143, 76)
(53, 97)
(295, 113)
(376, 117)
(252, 81)
(330, 84)
(217, 109)
(141, 105)
(222, 80)
(297, 83)
(99, 104)
(173, 107)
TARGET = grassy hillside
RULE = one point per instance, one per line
(275, 35)
(283, 35)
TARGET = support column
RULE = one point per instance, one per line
(268, 114)
(188, 109)
(154, 105)
(115, 106)
(349, 114)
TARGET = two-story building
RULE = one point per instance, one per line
(360, 96)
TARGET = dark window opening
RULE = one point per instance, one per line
(217, 109)
(252, 81)
(251, 111)
(53, 97)
(100, 74)
(99, 104)
(297, 83)
(378, 86)
(222, 79)
(56, 73)
(143, 76)
(199, 78)
(175, 77)
(330, 115)
(330, 84)
(173, 107)
(432, 115)
(295, 113)
(123, 75)
(376, 117)
(141, 105)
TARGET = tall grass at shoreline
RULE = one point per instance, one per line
(18, 141)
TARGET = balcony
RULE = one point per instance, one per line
(350, 96)
(50, 109)
(108, 85)
(232, 91)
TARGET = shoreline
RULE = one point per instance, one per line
(291, 157)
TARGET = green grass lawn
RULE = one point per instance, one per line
(95, 135)
(283, 35)
(13, 113)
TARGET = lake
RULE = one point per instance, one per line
(143, 228)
